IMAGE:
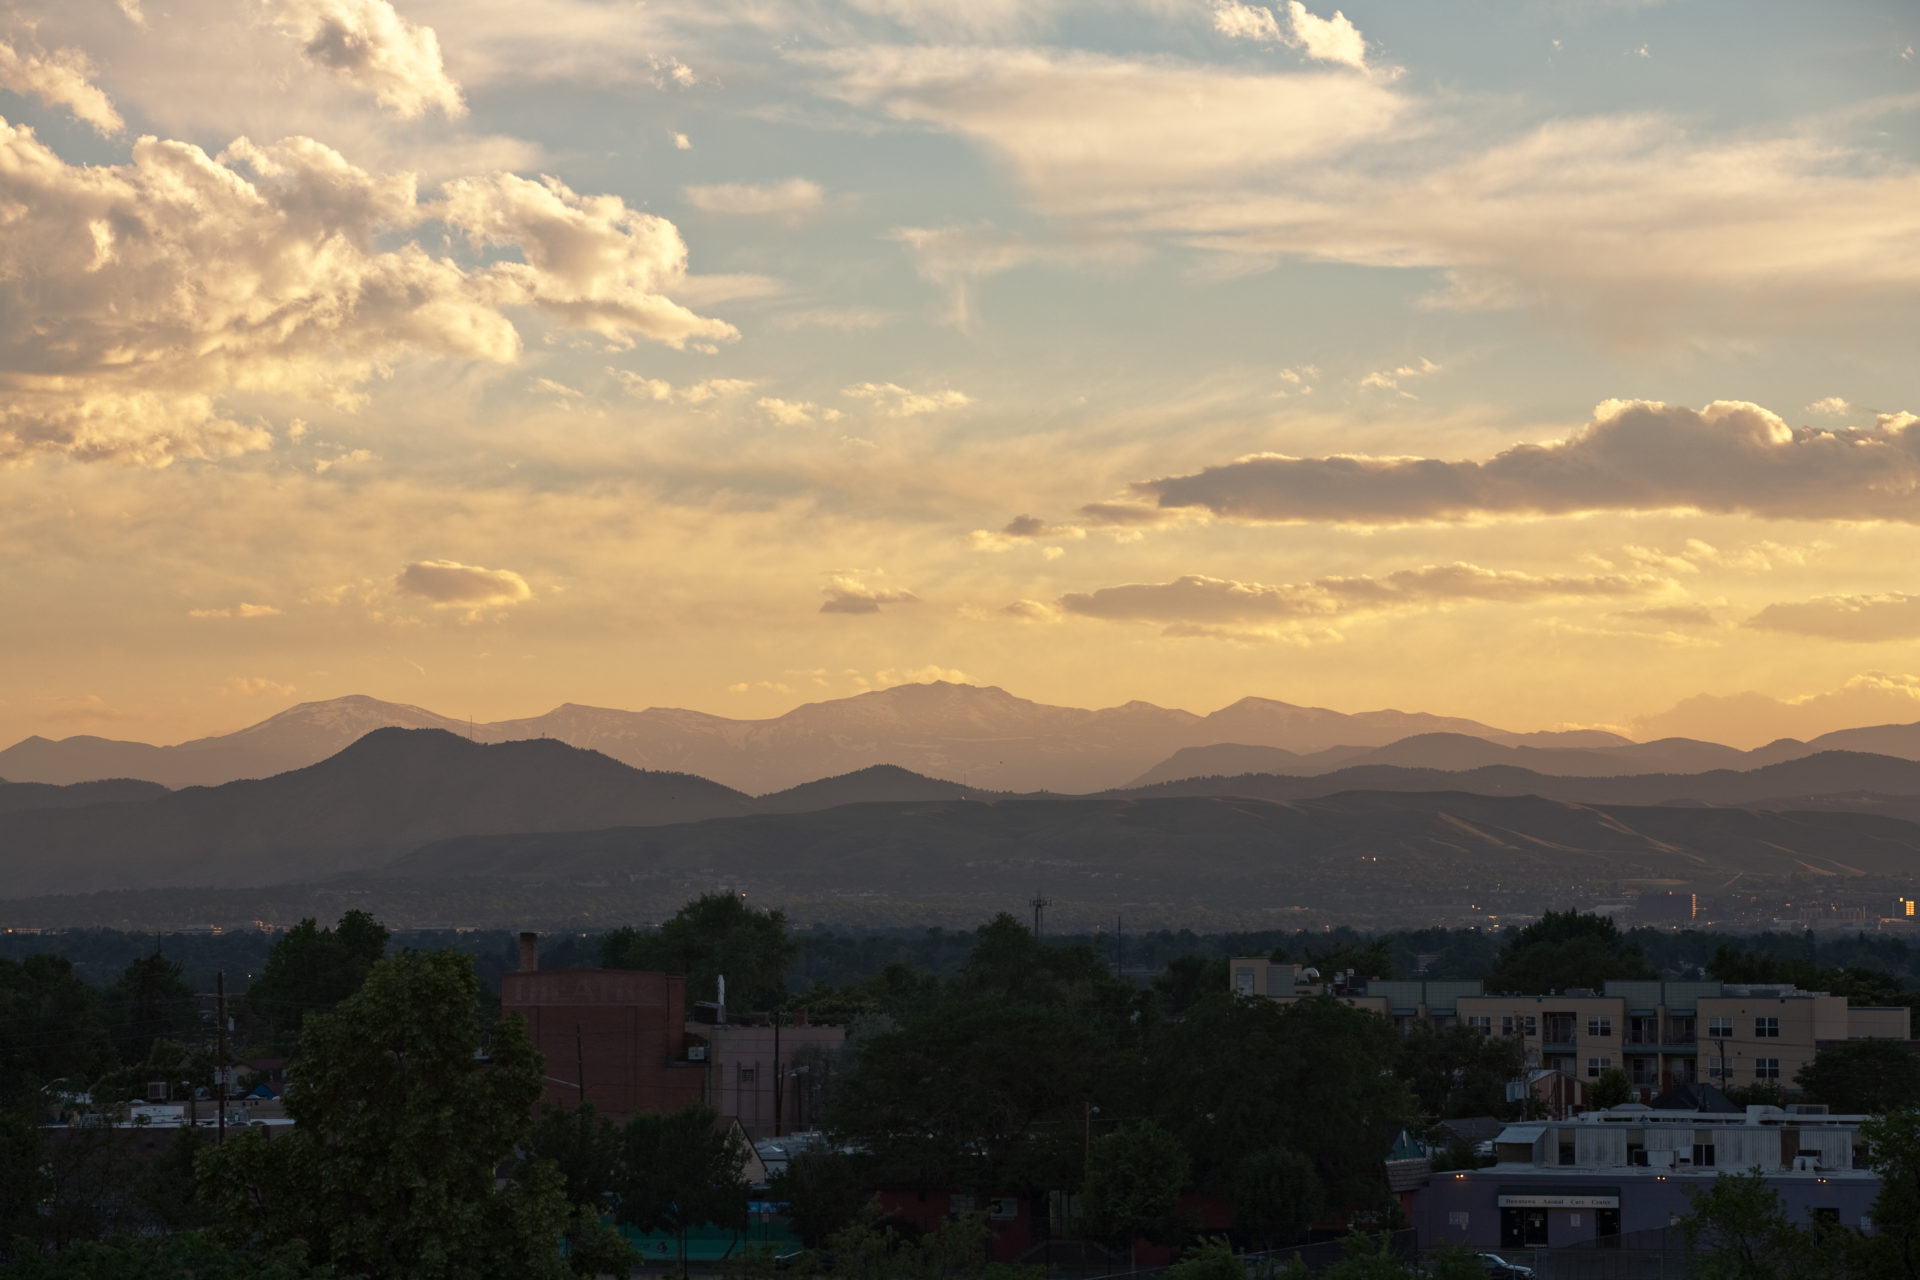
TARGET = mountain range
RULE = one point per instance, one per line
(968, 734)
(964, 734)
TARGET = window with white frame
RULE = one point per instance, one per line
(1507, 1026)
(1719, 1028)
(1766, 1068)
(1600, 1026)
(1766, 1028)
(1483, 1025)
(1532, 1025)
(1596, 1065)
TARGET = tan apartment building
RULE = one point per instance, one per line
(1660, 1033)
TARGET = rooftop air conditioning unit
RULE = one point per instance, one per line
(1806, 1164)
(157, 1091)
(696, 1053)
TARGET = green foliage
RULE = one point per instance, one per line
(1277, 1194)
(934, 1109)
(679, 1171)
(1134, 1179)
(1743, 1233)
(402, 1114)
(1456, 1071)
(1863, 1076)
(583, 1146)
(1237, 1077)
(1371, 959)
(824, 1191)
(1761, 1093)
(152, 1001)
(1861, 985)
(191, 1256)
(50, 1030)
(1188, 979)
(873, 1247)
(1212, 1259)
(716, 934)
(1567, 949)
(1610, 1089)
(310, 970)
(1893, 1149)
(1370, 1257)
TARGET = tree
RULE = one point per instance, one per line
(824, 1191)
(402, 1114)
(1456, 1071)
(1567, 949)
(311, 970)
(715, 935)
(679, 1171)
(1745, 1232)
(1134, 1179)
(190, 1256)
(1893, 1149)
(585, 1149)
(50, 1031)
(1863, 1076)
(150, 1002)
(1277, 1194)
(1611, 1089)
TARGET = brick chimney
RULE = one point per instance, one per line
(529, 953)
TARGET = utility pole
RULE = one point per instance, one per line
(580, 1063)
(1039, 905)
(1119, 946)
(220, 1057)
(779, 1081)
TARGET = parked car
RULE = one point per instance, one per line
(1498, 1268)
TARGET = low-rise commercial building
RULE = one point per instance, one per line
(1632, 1169)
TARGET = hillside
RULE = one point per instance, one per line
(1799, 782)
(1356, 853)
(391, 791)
(18, 797)
(880, 784)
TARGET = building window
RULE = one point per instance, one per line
(1482, 1025)
(1596, 1065)
(1506, 1025)
(1766, 1068)
(1766, 1028)
(1703, 1153)
(1243, 981)
(746, 1075)
(1719, 1028)
(1601, 1026)
(1566, 1153)
(1532, 1025)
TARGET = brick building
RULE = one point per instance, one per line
(615, 1037)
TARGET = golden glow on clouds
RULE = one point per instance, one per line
(359, 346)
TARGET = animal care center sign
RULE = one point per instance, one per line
(1574, 1200)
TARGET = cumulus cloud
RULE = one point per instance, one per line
(450, 584)
(792, 413)
(848, 594)
(1205, 601)
(590, 260)
(1333, 39)
(254, 686)
(1832, 406)
(794, 199)
(62, 78)
(898, 402)
(681, 143)
(1640, 455)
(134, 297)
(242, 610)
(1245, 21)
(373, 46)
(1893, 615)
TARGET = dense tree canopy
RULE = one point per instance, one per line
(310, 970)
(714, 935)
(1565, 950)
(402, 1114)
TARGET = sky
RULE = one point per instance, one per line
(1548, 362)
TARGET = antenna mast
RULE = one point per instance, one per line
(1039, 905)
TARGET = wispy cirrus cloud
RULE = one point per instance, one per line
(1197, 600)
(1892, 615)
